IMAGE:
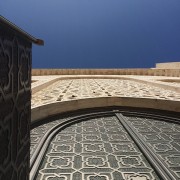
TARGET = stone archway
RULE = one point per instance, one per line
(47, 110)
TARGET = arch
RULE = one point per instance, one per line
(48, 110)
(128, 121)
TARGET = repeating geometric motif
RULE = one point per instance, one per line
(97, 149)
(162, 137)
(15, 107)
(73, 89)
(37, 133)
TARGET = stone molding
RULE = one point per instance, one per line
(48, 110)
(144, 72)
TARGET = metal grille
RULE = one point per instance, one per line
(163, 138)
(107, 147)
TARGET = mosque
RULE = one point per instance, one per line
(85, 124)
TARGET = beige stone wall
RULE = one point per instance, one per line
(144, 72)
(57, 94)
(168, 65)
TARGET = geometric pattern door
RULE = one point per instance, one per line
(109, 147)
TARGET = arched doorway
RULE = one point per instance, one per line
(107, 145)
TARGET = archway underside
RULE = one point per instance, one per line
(106, 144)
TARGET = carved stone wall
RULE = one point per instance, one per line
(15, 107)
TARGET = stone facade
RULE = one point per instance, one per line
(57, 94)
(101, 144)
(145, 72)
(57, 91)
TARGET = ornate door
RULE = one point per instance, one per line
(111, 145)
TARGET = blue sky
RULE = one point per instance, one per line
(99, 33)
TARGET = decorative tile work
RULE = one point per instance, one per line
(38, 132)
(15, 106)
(66, 90)
(162, 137)
(97, 149)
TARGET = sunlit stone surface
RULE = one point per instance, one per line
(73, 89)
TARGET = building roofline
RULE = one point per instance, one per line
(22, 32)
